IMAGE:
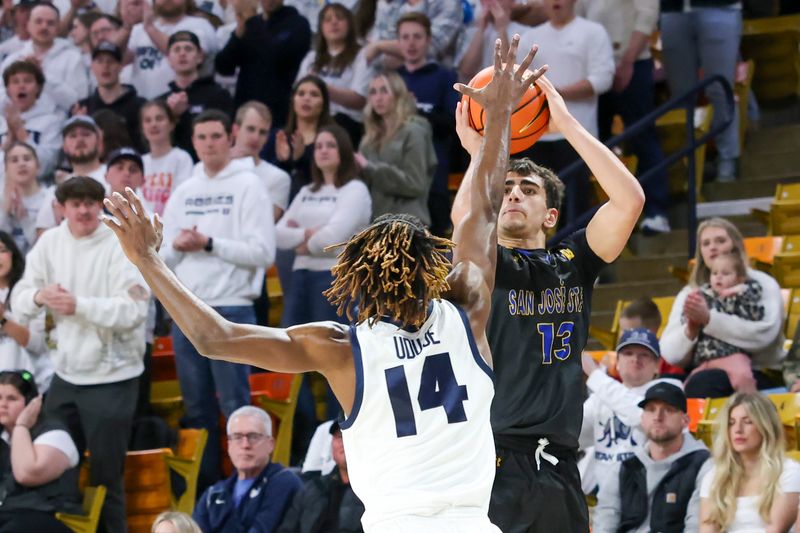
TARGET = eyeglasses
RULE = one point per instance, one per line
(252, 438)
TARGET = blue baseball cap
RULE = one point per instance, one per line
(642, 337)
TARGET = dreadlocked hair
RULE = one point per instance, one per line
(393, 268)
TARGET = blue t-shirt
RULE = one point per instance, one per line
(242, 486)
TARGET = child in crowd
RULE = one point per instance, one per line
(23, 196)
(644, 313)
(731, 292)
(165, 166)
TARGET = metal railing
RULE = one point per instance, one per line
(687, 102)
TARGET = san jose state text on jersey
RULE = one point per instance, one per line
(556, 300)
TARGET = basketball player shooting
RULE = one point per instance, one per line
(541, 306)
(413, 375)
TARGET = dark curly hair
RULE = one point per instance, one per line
(392, 269)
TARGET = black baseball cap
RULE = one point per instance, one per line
(184, 36)
(667, 393)
(79, 120)
(125, 153)
(26, 3)
(109, 48)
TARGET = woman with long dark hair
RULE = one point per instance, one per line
(309, 110)
(34, 458)
(337, 58)
(22, 344)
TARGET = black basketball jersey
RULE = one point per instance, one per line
(537, 329)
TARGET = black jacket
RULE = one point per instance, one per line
(126, 106)
(203, 93)
(269, 54)
(671, 497)
(61, 494)
(312, 504)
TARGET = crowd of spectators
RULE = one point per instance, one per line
(264, 132)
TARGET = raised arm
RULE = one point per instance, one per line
(294, 350)
(475, 235)
(610, 228)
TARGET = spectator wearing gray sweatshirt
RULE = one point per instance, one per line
(659, 488)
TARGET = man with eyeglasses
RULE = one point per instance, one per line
(258, 493)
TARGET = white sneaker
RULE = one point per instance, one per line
(655, 224)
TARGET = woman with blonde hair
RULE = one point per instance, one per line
(753, 486)
(175, 522)
(396, 155)
(691, 313)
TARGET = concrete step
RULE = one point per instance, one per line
(746, 188)
(605, 296)
(645, 268)
(768, 166)
(775, 140)
(672, 242)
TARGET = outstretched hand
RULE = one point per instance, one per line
(508, 84)
(139, 235)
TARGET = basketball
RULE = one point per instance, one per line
(528, 121)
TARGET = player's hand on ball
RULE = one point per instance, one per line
(470, 139)
(139, 235)
(559, 113)
(508, 84)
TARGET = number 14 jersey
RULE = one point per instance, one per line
(418, 439)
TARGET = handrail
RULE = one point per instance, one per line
(687, 101)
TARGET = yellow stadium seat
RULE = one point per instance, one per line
(705, 427)
(186, 463)
(786, 266)
(609, 338)
(166, 400)
(784, 213)
(793, 315)
(93, 498)
(275, 295)
(277, 394)
(772, 43)
(147, 487)
(788, 409)
(671, 130)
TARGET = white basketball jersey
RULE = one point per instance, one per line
(418, 439)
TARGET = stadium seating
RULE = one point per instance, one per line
(786, 267)
(277, 393)
(93, 498)
(186, 464)
(609, 338)
(147, 487)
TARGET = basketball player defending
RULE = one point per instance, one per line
(413, 374)
(539, 324)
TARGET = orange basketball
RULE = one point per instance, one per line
(528, 121)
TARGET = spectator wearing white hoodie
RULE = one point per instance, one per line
(98, 302)
(611, 429)
(219, 238)
(66, 78)
(30, 116)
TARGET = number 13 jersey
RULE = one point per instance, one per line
(418, 439)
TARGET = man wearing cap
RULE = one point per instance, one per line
(149, 43)
(190, 94)
(111, 94)
(81, 146)
(66, 79)
(258, 493)
(658, 489)
(611, 427)
(327, 502)
(97, 301)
